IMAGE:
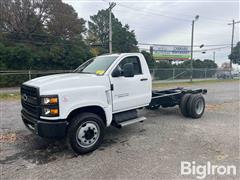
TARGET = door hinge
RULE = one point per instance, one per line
(112, 87)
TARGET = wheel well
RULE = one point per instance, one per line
(91, 109)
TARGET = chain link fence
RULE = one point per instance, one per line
(184, 73)
(16, 78)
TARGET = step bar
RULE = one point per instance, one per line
(132, 121)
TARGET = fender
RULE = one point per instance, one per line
(107, 110)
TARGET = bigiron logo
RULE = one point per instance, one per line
(208, 169)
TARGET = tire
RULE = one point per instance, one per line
(183, 105)
(85, 133)
(196, 106)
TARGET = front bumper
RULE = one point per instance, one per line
(47, 129)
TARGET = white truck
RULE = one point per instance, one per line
(105, 90)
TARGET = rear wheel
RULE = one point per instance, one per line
(183, 105)
(86, 133)
(196, 106)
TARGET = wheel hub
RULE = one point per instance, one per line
(199, 107)
(88, 134)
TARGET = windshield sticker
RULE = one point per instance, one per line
(100, 72)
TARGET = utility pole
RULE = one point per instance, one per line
(214, 53)
(191, 63)
(111, 6)
(233, 26)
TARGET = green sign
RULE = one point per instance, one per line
(178, 53)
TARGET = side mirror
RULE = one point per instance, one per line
(117, 72)
(128, 70)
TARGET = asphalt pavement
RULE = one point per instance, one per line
(150, 150)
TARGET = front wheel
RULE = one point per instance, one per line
(85, 133)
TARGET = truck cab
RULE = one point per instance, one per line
(105, 90)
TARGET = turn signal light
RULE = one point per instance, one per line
(53, 100)
(54, 111)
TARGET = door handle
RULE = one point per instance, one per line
(144, 79)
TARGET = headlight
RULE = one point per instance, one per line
(49, 100)
(50, 106)
(48, 111)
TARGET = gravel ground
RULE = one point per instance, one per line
(150, 150)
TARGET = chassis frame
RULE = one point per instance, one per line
(171, 97)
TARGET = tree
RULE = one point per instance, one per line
(149, 59)
(64, 22)
(37, 19)
(23, 17)
(41, 34)
(124, 40)
(206, 63)
(235, 55)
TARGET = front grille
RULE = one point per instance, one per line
(30, 100)
(29, 91)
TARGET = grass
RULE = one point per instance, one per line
(10, 96)
(182, 84)
(156, 85)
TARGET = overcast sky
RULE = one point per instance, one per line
(169, 21)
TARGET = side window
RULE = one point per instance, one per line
(136, 64)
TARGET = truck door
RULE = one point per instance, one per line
(130, 92)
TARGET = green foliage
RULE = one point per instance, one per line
(207, 63)
(124, 40)
(64, 21)
(46, 35)
(149, 59)
(41, 35)
(166, 70)
(16, 57)
(66, 56)
(235, 55)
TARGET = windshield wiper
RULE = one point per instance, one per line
(85, 72)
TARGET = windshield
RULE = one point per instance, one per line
(97, 65)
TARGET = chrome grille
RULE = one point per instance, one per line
(30, 100)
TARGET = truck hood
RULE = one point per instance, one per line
(50, 83)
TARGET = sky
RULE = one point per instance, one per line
(170, 22)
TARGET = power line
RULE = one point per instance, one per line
(39, 43)
(155, 44)
(152, 12)
(140, 43)
(204, 17)
(39, 35)
(51, 43)
(156, 14)
(212, 49)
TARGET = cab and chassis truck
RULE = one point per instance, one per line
(103, 91)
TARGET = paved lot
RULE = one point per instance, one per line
(149, 150)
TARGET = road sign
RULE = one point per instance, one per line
(169, 52)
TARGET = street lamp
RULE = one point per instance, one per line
(191, 63)
(201, 46)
